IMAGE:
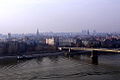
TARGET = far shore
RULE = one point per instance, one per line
(30, 56)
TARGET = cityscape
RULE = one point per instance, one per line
(19, 44)
(59, 39)
(19, 47)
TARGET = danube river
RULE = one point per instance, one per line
(61, 68)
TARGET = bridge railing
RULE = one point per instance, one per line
(90, 49)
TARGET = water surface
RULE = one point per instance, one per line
(61, 68)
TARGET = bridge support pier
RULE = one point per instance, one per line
(94, 57)
(69, 50)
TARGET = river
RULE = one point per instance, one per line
(61, 68)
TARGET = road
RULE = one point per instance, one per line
(90, 49)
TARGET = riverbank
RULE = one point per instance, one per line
(31, 56)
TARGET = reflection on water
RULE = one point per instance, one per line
(77, 67)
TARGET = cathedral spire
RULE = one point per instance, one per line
(37, 33)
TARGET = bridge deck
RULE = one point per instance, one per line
(91, 49)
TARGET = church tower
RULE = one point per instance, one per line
(37, 33)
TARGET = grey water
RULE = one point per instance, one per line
(77, 67)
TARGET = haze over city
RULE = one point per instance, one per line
(59, 39)
(25, 16)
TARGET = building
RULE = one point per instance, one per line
(50, 41)
(37, 33)
(67, 42)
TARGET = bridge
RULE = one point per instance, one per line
(94, 51)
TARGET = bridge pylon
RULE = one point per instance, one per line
(94, 56)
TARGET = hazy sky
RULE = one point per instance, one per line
(25, 16)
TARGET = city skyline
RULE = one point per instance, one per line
(25, 16)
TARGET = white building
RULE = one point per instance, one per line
(50, 41)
